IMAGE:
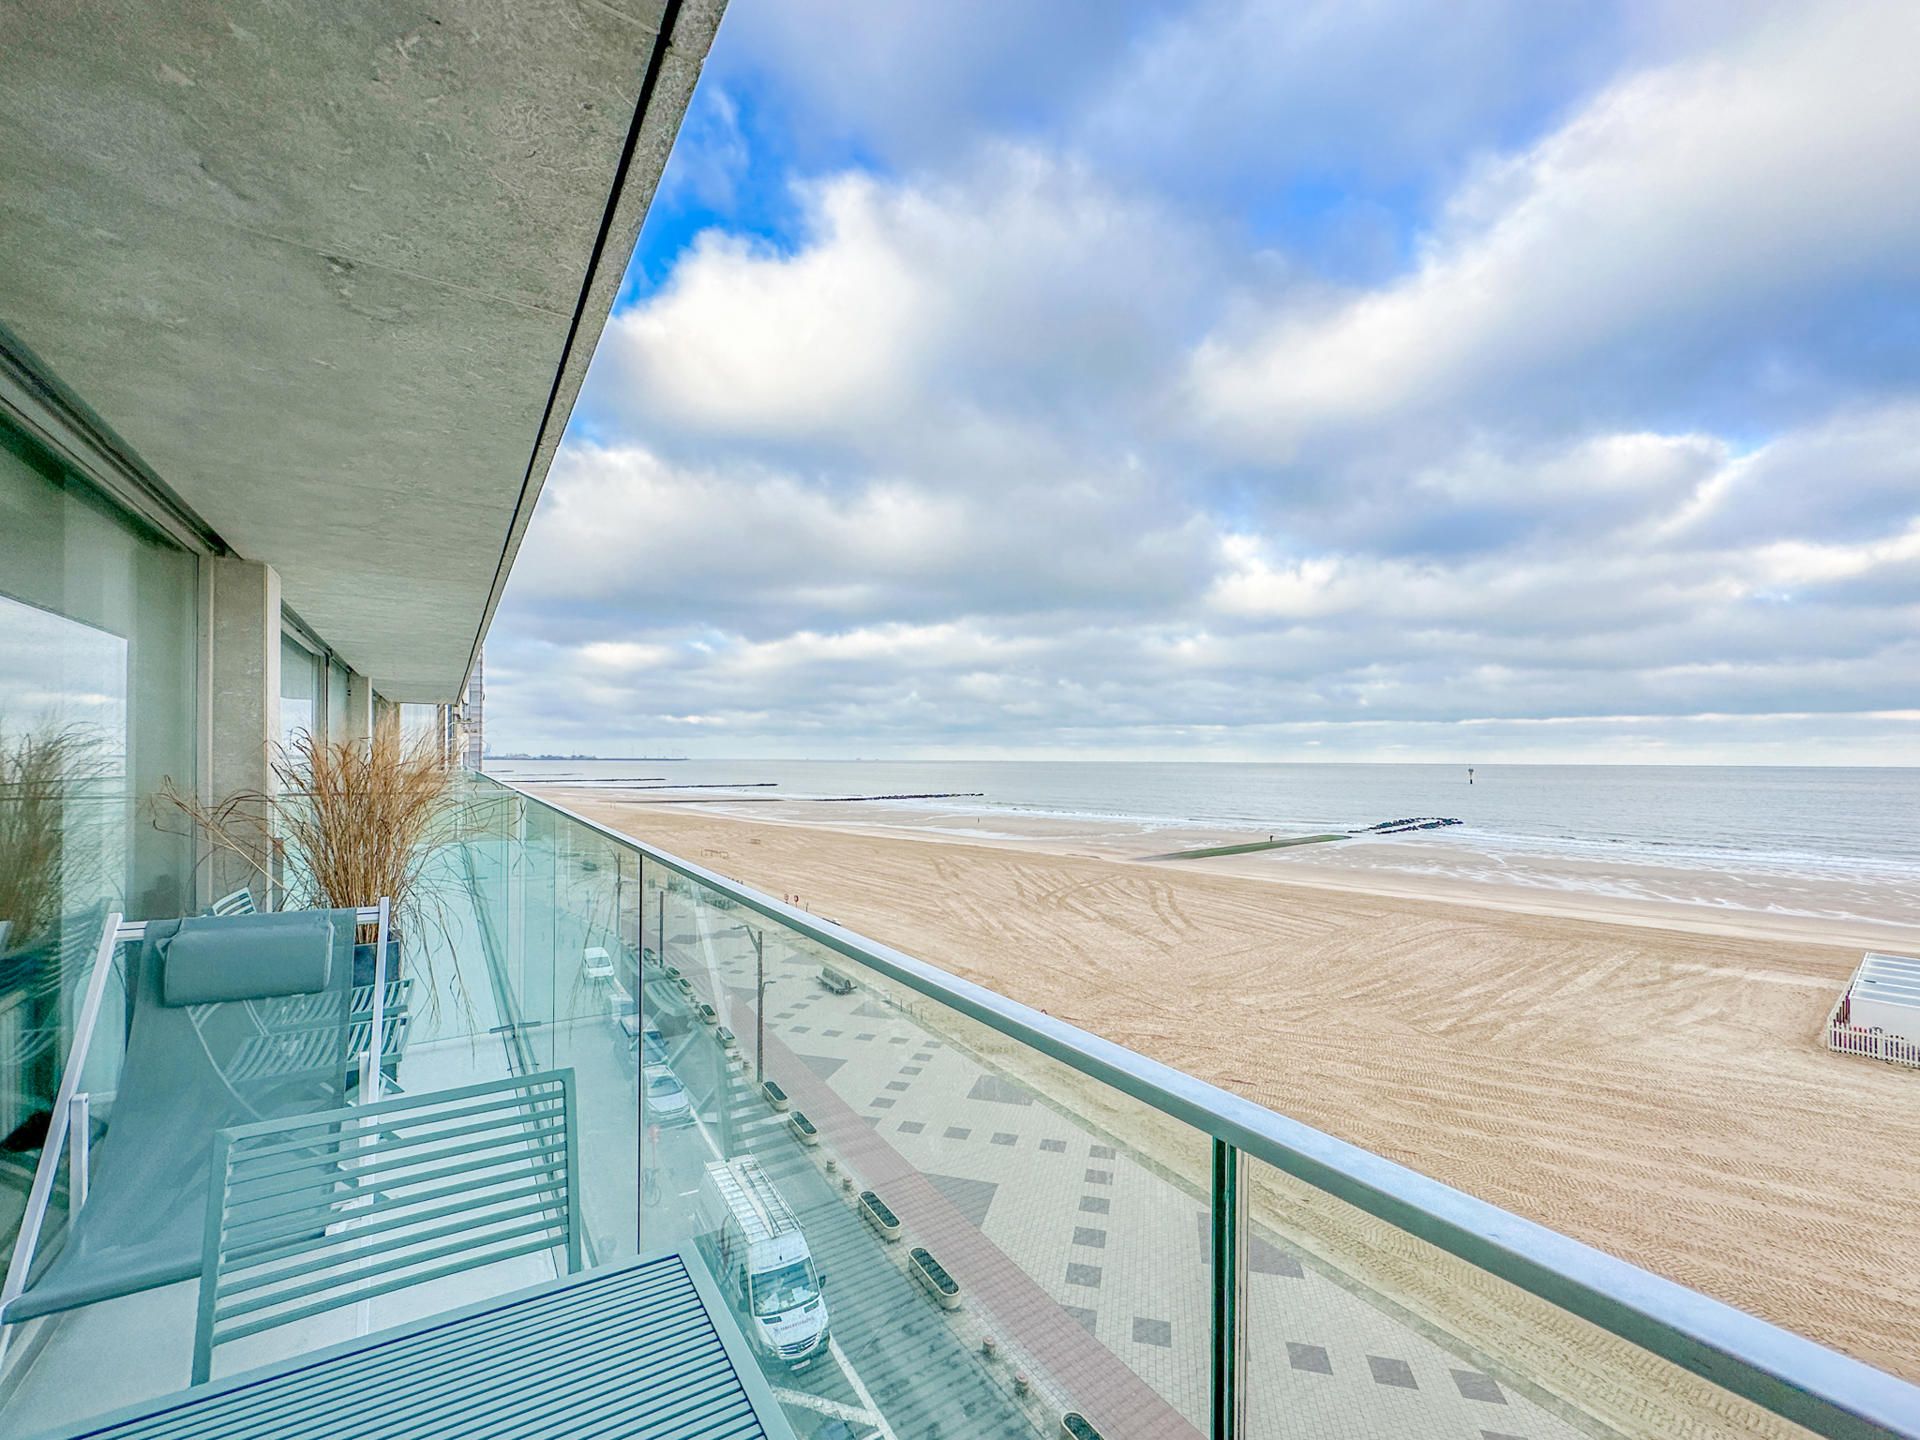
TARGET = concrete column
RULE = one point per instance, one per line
(359, 707)
(385, 713)
(243, 686)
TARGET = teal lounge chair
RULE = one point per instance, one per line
(205, 994)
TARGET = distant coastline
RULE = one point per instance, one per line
(607, 759)
(1825, 851)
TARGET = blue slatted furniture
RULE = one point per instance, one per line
(331, 1209)
(642, 1351)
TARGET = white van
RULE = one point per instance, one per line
(759, 1254)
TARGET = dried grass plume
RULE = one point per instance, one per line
(349, 822)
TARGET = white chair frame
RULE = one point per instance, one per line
(68, 1128)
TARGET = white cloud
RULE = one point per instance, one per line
(1681, 208)
(766, 550)
(1026, 448)
(1009, 289)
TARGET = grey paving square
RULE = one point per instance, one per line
(912, 1127)
(1099, 1177)
(911, 1069)
(1088, 1318)
(879, 1102)
(1095, 1205)
(1093, 1239)
(873, 1120)
(1313, 1358)
(867, 1036)
(1087, 1276)
(1100, 1152)
(1475, 1386)
(830, 1034)
(822, 1065)
(922, 1056)
(1499, 1435)
(1056, 1147)
(957, 1132)
(1001, 1092)
(1266, 1258)
(872, 1011)
(1003, 1137)
(1153, 1332)
(972, 1198)
(896, 1040)
(1392, 1372)
(891, 1084)
(798, 1029)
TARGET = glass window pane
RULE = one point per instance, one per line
(97, 699)
(299, 689)
(336, 702)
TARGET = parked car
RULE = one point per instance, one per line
(667, 1101)
(651, 1044)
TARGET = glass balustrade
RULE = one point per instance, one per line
(998, 1225)
(935, 1212)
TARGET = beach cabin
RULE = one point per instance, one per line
(1878, 1014)
(1885, 995)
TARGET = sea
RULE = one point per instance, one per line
(1846, 822)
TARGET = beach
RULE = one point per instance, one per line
(1645, 1076)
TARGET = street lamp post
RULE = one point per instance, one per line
(759, 1006)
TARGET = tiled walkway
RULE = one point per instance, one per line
(1065, 1234)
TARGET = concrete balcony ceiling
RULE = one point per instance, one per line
(334, 272)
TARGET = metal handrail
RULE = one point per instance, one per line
(1794, 1377)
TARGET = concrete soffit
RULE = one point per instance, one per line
(686, 34)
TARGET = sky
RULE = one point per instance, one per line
(1464, 380)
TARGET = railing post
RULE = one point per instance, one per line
(79, 1148)
(1228, 1263)
(641, 1156)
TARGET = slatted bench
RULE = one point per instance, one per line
(641, 1351)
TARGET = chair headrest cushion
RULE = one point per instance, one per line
(247, 957)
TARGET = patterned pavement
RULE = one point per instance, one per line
(1117, 1245)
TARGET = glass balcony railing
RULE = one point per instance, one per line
(937, 1212)
(1009, 1223)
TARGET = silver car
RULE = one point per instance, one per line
(667, 1101)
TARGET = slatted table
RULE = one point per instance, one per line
(643, 1351)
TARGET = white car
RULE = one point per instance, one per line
(667, 1101)
(596, 964)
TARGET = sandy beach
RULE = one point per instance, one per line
(1638, 1072)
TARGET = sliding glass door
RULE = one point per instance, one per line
(98, 625)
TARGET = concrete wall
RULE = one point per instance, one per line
(360, 703)
(243, 692)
